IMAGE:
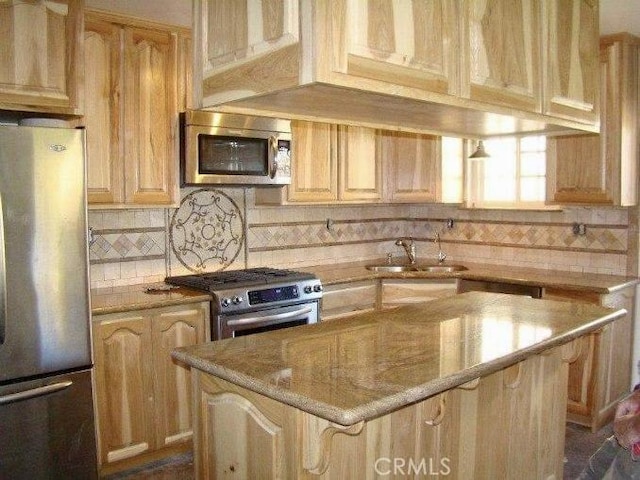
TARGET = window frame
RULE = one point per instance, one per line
(474, 170)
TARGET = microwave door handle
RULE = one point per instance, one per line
(3, 278)
(266, 318)
(273, 154)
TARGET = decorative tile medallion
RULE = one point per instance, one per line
(206, 231)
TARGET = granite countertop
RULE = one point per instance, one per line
(136, 297)
(370, 364)
(586, 282)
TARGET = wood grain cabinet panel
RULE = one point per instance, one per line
(137, 83)
(467, 68)
(571, 40)
(411, 168)
(150, 116)
(609, 161)
(509, 424)
(410, 43)
(103, 64)
(143, 396)
(330, 163)
(170, 329)
(403, 292)
(124, 387)
(503, 53)
(359, 165)
(315, 164)
(600, 372)
(41, 56)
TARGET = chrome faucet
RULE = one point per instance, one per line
(441, 255)
(409, 248)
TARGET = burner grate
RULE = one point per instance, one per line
(238, 278)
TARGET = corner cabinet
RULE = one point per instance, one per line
(143, 397)
(41, 56)
(608, 162)
(600, 373)
(137, 78)
(468, 68)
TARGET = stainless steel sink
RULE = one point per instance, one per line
(392, 268)
(440, 268)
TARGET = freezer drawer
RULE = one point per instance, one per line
(49, 435)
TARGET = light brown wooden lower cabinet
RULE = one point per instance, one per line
(509, 424)
(601, 374)
(143, 396)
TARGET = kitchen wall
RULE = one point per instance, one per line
(216, 229)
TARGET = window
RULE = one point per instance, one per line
(513, 177)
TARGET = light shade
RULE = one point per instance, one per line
(480, 151)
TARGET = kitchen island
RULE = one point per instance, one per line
(471, 386)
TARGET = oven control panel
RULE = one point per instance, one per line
(277, 294)
(237, 300)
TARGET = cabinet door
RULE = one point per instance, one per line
(412, 166)
(619, 89)
(577, 171)
(41, 55)
(412, 43)
(102, 64)
(172, 328)
(360, 175)
(314, 165)
(255, 36)
(503, 53)
(571, 42)
(150, 116)
(124, 386)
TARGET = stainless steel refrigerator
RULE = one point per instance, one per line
(46, 411)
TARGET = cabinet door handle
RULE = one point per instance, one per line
(34, 392)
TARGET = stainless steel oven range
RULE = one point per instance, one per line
(256, 299)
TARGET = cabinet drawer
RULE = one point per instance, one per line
(345, 298)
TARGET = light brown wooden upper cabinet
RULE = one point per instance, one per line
(41, 56)
(462, 68)
(359, 165)
(602, 169)
(411, 166)
(314, 170)
(330, 163)
(571, 77)
(136, 84)
(503, 53)
(342, 164)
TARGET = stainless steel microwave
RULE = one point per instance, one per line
(229, 149)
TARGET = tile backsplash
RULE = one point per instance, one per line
(216, 229)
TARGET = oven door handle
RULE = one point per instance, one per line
(267, 318)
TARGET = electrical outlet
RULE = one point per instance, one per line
(449, 223)
(579, 229)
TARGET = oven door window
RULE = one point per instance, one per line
(223, 155)
(266, 320)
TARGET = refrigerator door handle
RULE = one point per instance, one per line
(35, 392)
(3, 279)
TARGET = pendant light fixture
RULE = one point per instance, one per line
(480, 151)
